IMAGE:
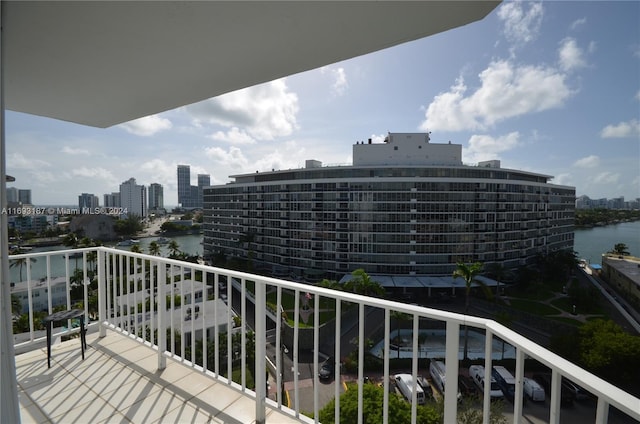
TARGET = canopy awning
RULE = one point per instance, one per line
(101, 63)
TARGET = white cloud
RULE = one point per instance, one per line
(71, 151)
(97, 172)
(485, 147)
(622, 130)
(578, 23)
(340, 83)
(264, 111)
(591, 161)
(233, 158)
(506, 91)
(19, 161)
(233, 136)
(606, 178)
(521, 26)
(563, 179)
(147, 126)
(570, 55)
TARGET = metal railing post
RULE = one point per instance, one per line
(162, 314)
(102, 293)
(261, 351)
(451, 358)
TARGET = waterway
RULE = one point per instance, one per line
(590, 244)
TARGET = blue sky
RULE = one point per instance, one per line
(550, 87)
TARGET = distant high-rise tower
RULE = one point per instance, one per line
(204, 180)
(190, 196)
(88, 200)
(112, 200)
(133, 198)
(24, 196)
(184, 185)
(156, 201)
(12, 195)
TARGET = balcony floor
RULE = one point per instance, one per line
(119, 382)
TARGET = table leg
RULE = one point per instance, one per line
(49, 323)
(83, 340)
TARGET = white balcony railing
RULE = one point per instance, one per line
(176, 308)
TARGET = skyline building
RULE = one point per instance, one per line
(112, 200)
(156, 197)
(184, 185)
(133, 198)
(88, 200)
(405, 207)
(190, 196)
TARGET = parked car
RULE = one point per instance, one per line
(533, 390)
(477, 375)
(567, 395)
(466, 386)
(426, 386)
(578, 392)
(327, 369)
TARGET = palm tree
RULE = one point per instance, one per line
(174, 249)
(468, 273)
(19, 262)
(363, 284)
(136, 248)
(154, 248)
(620, 249)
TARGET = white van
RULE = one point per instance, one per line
(405, 384)
(476, 372)
(438, 372)
(533, 390)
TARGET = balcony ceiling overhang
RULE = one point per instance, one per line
(103, 63)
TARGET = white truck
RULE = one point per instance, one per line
(406, 384)
(533, 390)
(476, 372)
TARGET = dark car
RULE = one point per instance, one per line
(327, 369)
(567, 393)
(466, 386)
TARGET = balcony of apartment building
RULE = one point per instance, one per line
(152, 355)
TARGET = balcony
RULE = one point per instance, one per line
(152, 357)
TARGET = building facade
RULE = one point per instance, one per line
(184, 185)
(112, 200)
(190, 196)
(88, 200)
(156, 197)
(133, 198)
(405, 207)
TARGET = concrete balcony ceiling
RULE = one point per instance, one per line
(101, 63)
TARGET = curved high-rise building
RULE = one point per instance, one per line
(405, 207)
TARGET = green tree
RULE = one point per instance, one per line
(154, 248)
(20, 263)
(399, 409)
(620, 249)
(608, 351)
(136, 248)
(174, 249)
(361, 283)
(469, 273)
